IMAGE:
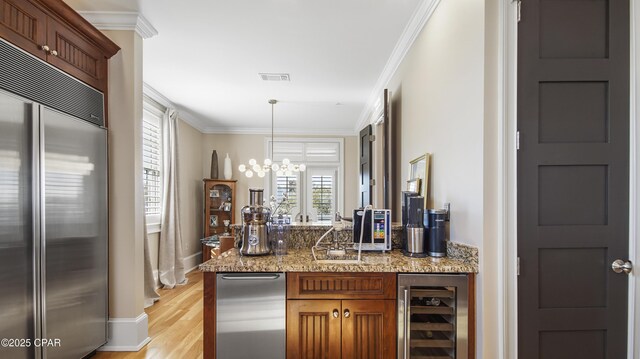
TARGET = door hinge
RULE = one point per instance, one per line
(517, 140)
(519, 9)
(372, 138)
(372, 182)
(518, 266)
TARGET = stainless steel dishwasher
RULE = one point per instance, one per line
(250, 315)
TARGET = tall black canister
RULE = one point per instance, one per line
(434, 222)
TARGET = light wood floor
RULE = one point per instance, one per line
(175, 324)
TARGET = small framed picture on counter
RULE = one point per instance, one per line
(213, 221)
(413, 185)
(214, 193)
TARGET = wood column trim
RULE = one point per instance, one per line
(472, 315)
(209, 324)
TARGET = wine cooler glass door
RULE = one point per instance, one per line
(432, 316)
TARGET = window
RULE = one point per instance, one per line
(322, 197)
(316, 194)
(152, 161)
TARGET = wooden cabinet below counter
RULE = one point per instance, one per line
(348, 315)
(358, 322)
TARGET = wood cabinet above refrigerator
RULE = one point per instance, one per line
(53, 32)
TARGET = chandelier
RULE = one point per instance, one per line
(286, 168)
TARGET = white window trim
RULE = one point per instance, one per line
(154, 227)
(339, 177)
(151, 105)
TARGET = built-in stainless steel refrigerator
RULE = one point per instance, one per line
(53, 231)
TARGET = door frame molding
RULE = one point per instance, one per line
(507, 167)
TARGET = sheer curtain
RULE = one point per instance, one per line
(170, 262)
(150, 294)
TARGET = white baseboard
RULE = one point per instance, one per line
(127, 334)
(192, 262)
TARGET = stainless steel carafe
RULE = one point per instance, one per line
(255, 225)
(413, 244)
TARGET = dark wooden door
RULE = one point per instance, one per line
(313, 329)
(368, 329)
(573, 178)
(366, 166)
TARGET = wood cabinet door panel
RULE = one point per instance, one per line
(368, 329)
(76, 56)
(313, 332)
(341, 285)
(24, 25)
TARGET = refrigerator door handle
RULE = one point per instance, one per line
(250, 276)
(36, 188)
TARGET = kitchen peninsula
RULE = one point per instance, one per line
(346, 308)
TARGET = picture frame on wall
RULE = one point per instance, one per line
(213, 220)
(419, 169)
(413, 185)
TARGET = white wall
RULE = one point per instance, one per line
(438, 95)
(243, 147)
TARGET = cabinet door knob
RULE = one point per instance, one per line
(336, 313)
(53, 53)
(44, 47)
(347, 313)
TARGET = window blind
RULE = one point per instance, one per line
(152, 163)
(322, 196)
(287, 185)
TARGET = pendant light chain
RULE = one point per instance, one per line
(286, 168)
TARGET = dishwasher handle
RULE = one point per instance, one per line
(250, 276)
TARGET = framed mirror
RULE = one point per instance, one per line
(419, 170)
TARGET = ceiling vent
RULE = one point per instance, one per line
(274, 76)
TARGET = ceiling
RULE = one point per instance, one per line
(208, 53)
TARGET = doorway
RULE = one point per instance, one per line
(573, 178)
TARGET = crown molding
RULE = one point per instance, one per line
(192, 120)
(408, 37)
(120, 20)
(183, 114)
(280, 131)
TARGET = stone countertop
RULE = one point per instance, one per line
(301, 260)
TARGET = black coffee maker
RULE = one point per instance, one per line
(436, 232)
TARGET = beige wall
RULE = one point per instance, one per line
(243, 147)
(491, 276)
(190, 191)
(443, 100)
(126, 244)
(190, 174)
(437, 96)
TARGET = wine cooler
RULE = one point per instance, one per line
(433, 316)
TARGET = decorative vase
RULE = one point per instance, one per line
(214, 165)
(227, 168)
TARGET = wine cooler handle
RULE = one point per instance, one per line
(406, 324)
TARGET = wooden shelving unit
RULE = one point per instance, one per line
(219, 206)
